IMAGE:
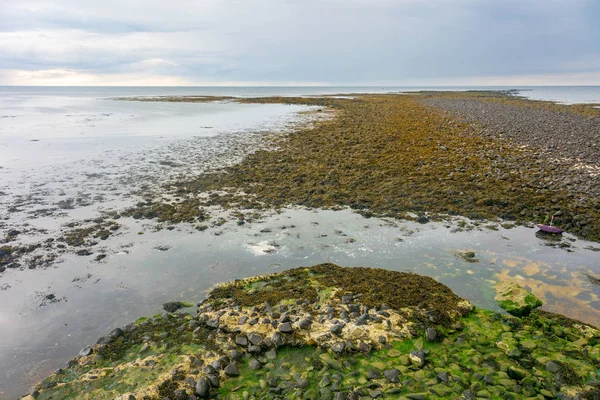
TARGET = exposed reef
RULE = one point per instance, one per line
(328, 332)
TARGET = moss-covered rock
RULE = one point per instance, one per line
(516, 300)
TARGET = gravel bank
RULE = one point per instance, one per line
(566, 145)
(566, 134)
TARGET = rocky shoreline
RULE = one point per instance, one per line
(328, 332)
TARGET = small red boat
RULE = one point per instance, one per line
(550, 229)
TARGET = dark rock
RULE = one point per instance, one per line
(443, 377)
(392, 375)
(213, 380)
(338, 347)
(286, 327)
(516, 373)
(336, 329)
(241, 340)
(242, 320)
(373, 374)
(253, 349)
(232, 370)
(213, 323)
(417, 357)
(86, 351)
(255, 339)
(431, 334)
(305, 324)
(105, 340)
(255, 364)
(203, 388)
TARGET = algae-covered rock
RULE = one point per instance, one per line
(516, 300)
(177, 356)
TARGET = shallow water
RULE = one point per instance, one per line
(142, 272)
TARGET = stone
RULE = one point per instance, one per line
(373, 374)
(305, 324)
(232, 370)
(241, 340)
(417, 358)
(255, 339)
(516, 373)
(338, 347)
(203, 388)
(336, 329)
(552, 367)
(253, 349)
(255, 364)
(431, 334)
(515, 300)
(86, 351)
(116, 333)
(392, 375)
(286, 327)
(213, 380)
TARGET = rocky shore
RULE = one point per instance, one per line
(328, 332)
(394, 156)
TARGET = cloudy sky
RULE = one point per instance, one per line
(299, 42)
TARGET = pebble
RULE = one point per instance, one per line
(285, 327)
(232, 370)
(203, 388)
(431, 334)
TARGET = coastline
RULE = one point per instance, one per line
(346, 162)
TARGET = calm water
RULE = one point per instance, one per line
(77, 146)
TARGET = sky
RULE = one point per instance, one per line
(300, 42)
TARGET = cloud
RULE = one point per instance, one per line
(275, 41)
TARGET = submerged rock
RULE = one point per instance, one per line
(516, 300)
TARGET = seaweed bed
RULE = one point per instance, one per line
(319, 333)
(393, 155)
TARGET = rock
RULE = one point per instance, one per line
(271, 354)
(255, 364)
(305, 324)
(213, 380)
(105, 340)
(340, 396)
(336, 329)
(213, 323)
(303, 383)
(285, 327)
(253, 349)
(373, 374)
(417, 358)
(242, 320)
(255, 339)
(552, 367)
(516, 373)
(203, 388)
(392, 375)
(338, 347)
(86, 351)
(515, 300)
(431, 334)
(241, 340)
(347, 298)
(232, 370)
